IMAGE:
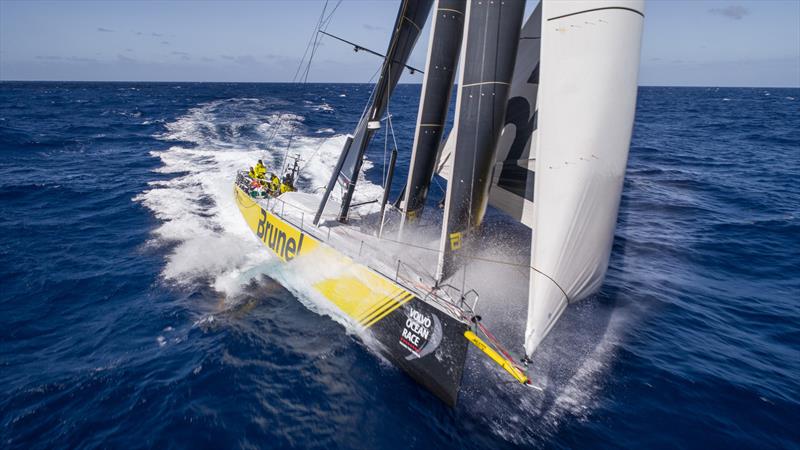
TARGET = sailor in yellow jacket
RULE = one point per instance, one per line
(260, 170)
(285, 187)
(275, 184)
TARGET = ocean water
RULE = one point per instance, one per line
(137, 310)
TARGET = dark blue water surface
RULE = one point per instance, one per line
(137, 311)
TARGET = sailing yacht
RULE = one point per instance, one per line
(542, 126)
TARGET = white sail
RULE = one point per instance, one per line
(587, 99)
(513, 147)
(444, 161)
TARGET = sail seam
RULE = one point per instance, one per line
(598, 9)
(451, 10)
(485, 82)
(412, 23)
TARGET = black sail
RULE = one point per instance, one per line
(440, 70)
(487, 65)
(411, 18)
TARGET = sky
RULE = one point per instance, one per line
(685, 42)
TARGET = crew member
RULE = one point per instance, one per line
(288, 184)
(275, 183)
(260, 170)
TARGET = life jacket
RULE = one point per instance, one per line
(260, 170)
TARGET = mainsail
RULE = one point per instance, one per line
(513, 177)
(589, 69)
(487, 64)
(408, 25)
(440, 68)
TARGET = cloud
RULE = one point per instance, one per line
(246, 60)
(164, 42)
(184, 56)
(241, 59)
(206, 59)
(81, 59)
(49, 58)
(124, 58)
(735, 12)
(156, 35)
(104, 30)
(373, 27)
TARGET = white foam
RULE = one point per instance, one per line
(323, 107)
(208, 239)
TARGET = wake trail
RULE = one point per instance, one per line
(201, 226)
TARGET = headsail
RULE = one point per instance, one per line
(444, 46)
(512, 175)
(410, 19)
(487, 64)
(589, 69)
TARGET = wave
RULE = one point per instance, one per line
(201, 224)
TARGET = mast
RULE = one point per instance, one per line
(410, 18)
(587, 102)
(445, 43)
(487, 64)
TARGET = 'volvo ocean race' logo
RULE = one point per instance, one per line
(421, 334)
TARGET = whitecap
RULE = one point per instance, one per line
(207, 238)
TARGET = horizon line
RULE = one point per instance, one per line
(351, 82)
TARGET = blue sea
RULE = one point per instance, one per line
(137, 310)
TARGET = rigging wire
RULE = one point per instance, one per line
(303, 71)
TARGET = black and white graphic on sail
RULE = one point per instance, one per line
(440, 69)
(410, 19)
(489, 48)
(512, 174)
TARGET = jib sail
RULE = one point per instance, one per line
(487, 64)
(587, 100)
(513, 171)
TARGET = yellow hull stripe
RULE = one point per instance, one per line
(362, 294)
(384, 307)
(388, 311)
(372, 311)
